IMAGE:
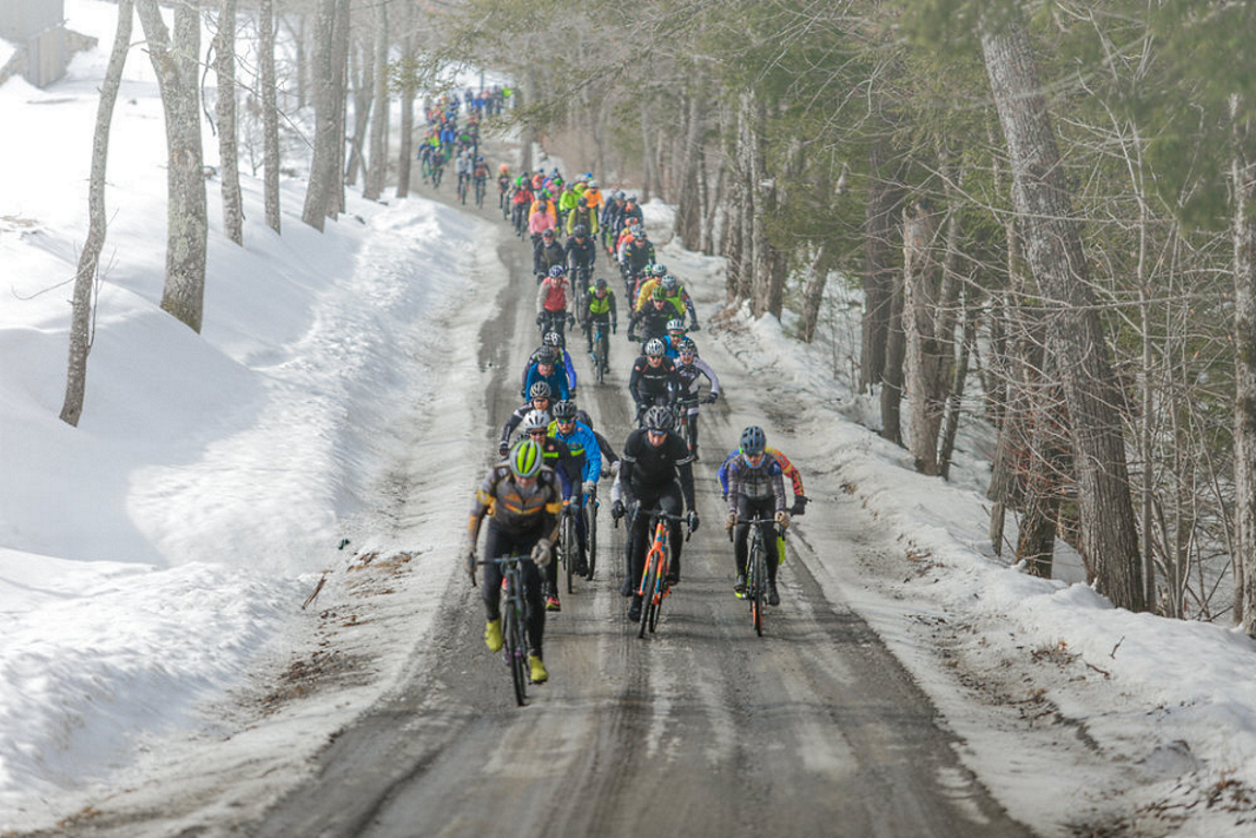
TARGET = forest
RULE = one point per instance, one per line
(1047, 208)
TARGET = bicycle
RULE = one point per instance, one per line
(601, 350)
(463, 178)
(480, 189)
(756, 571)
(438, 169)
(515, 617)
(658, 559)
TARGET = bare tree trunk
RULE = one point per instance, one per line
(225, 109)
(884, 196)
(324, 166)
(1109, 538)
(689, 204)
(1243, 179)
(270, 112)
(361, 72)
(407, 107)
(648, 162)
(377, 174)
(813, 294)
(920, 303)
(340, 71)
(954, 400)
(175, 64)
(892, 372)
(89, 260)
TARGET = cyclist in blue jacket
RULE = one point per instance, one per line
(546, 369)
(583, 445)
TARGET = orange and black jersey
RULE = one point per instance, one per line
(515, 509)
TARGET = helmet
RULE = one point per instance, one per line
(640, 232)
(657, 293)
(632, 198)
(580, 229)
(545, 194)
(600, 284)
(582, 201)
(593, 184)
(583, 416)
(552, 339)
(557, 271)
(619, 195)
(546, 355)
(526, 459)
(519, 180)
(668, 283)
(479, 158)
(753, 440)
(657, 418)
(656, 269)
(654, 346)
(536, 420)
(676, 325)
(564, 411)
(540, 390)
(685, 346)
(549, 234)
(505, 168)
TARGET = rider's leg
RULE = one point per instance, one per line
(673, 504)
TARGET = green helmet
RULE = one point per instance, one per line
(526, 459)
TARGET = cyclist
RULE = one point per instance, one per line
(653, 381)
(569, 470)
(637, 252)
(593, 194)
(652, 320)
(582, 215)
(674, 335)
(630, 215)
(542, 216)
(601, 309)
(656, 471)
(567, 202)
(609, 222)
(503, 185)
(521, 498)
(521, 199)
(479, 173)
(463, 167)
(581, 254)
(546, 370)
(553, 302)
(554, 341)
(539, 398)
(755, 490)
(689, 371)
(584, 446)
(547, 253)
(788, 470)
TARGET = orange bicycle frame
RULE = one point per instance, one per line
(656, 555)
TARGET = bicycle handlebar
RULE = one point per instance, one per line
(751, 522)
(514, 558)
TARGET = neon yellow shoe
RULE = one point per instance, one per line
(539, 674)
(780, 550)
(493, 635)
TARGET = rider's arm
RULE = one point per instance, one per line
(709, 373)
(778, 486)
(734, 483)
(571, 369)
(592, 454)
(635, 378)
(541, 289)
(483, 499)
(684, 465)
(512, 423)
(722, 474)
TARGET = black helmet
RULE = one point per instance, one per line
(552, 339)
(600, 284)
(564, 411)
(546, 355)
(580, 230)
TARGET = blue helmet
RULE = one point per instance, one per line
(753, 440)
(557, 271)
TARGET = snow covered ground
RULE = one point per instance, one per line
(154, 556)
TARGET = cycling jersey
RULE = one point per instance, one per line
(689, 375)
(787, 469)
(650, 384)
(514, 508)
(755, 483)
(583, 445)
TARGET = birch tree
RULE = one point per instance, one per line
(175, 61)
(89, 260)
(225, 109)
(270, 111)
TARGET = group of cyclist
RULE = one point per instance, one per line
(552, 458)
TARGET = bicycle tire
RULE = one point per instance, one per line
(647, 602)
(516, 643)
(758, 573)
(659, 584)
(592, 519)
(570, 550)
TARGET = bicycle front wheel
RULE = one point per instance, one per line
(516, 643)
(592, 519)
(657, 598)
(758, 582)
(570, 550)
(647, 604)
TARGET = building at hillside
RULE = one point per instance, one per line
(36, 29)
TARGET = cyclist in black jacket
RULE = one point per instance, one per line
(655, 471)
